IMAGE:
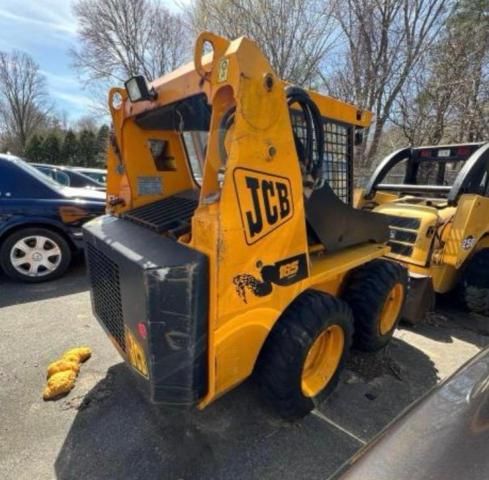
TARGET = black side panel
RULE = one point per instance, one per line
(177, 307)
(162, 284)
(338, 225)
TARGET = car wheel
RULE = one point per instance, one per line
(35, 255)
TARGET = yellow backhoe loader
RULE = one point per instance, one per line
(437, 201)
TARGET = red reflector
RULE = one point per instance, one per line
(425, 153)
(143, 333)
(463, 151)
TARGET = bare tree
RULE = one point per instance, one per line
(294, 34)
(87, 122)
(447, 95)
(385, 40)
(426, 105)
(23, 107)
(120, 38)
(469, 38)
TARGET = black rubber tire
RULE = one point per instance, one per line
(475, 283)
(366, 291)
(279, 368)
(13, 238)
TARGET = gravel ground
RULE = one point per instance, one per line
(105, 429)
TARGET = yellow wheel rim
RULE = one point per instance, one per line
(390, 310)
(322, 360)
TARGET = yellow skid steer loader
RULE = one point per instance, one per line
(230, 244)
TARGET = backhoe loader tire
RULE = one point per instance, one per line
(376, 293)
(475, 283)
(314, 319)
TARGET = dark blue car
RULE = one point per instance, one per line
(40, 221)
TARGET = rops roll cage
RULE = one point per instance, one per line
(468, 179)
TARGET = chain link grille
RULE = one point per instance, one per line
(106, 292)
(338, 153)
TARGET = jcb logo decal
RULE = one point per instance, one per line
(265, 202)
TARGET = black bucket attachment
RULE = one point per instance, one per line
(338, 225)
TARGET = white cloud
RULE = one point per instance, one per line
(28, 24)
(50, 24)
(47, 29)
(78, 100)
(57, 80)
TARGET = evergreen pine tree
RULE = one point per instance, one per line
(69, 149)
(87, 148)
(102, 144)
(33, 150)
(51, 149)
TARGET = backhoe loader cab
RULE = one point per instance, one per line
(437, 202)
(231, 246)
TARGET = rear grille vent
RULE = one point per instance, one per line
(171, 215)
(402, 235)
(403, 232)
(104, 279)
(404, 222)
(401, 249)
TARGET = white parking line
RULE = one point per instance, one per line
(339, 427)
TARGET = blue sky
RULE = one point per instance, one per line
(46, 29)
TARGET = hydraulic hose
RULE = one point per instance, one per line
(224, 125)
(312, 159)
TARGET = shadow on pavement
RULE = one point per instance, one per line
(451, 320)
(379, 386)
(116, 434)
(15, 293)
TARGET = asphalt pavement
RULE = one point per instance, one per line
(104, 429)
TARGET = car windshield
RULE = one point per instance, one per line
(57, 175)
(46, 179)
(99, 177)
(80, 179)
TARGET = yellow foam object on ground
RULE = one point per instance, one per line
(62, 373)
(82, 353)
(59, 384)
(62, 366)
(71, 358)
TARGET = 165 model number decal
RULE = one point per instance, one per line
(282, 273)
